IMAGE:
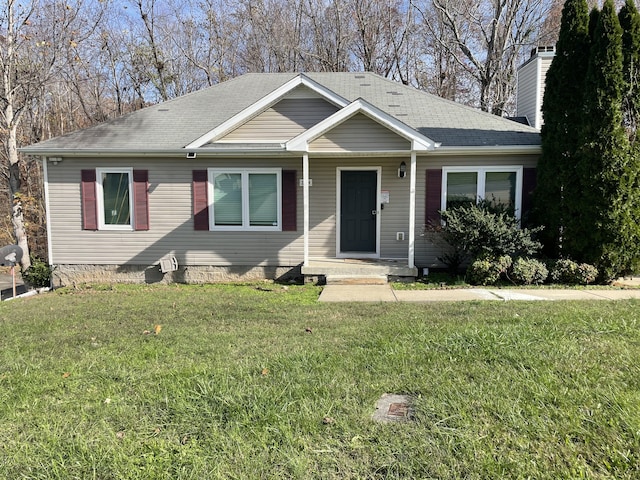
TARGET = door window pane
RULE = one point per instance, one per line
(263, 199)
(461, 188)
(227, 198)
(115, 188)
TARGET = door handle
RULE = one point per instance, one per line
(374, 212)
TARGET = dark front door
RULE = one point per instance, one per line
(358, 202)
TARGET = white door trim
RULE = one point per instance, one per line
(339, 252)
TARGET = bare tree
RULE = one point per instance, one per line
(273, 35)
(34, 38)
(330, 34)
(487, 38)
(380, 32)
(208, 41)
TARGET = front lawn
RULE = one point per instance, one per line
(244, 382)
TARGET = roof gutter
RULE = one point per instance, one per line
(277, 151)
(124, 153)
(491, 150)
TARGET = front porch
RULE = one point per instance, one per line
(338, 271)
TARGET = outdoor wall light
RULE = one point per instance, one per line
(55, 160)
(402, 171)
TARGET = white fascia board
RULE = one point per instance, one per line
(418, 141)
(323, 91)
(264, 103)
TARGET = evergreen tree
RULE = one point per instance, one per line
(562, 110)
(600, 228)
(594, 16)
(630, 23)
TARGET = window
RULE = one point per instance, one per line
(497, 185)
(114, 197)
(245, 199)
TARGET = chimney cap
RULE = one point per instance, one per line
(543, 49)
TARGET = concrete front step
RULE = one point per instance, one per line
(356, 279)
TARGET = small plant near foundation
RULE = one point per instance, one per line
(38, 275)
(528, 271)
(488, 270)
(573, 273)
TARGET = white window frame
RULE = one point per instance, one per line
(480, 186)
(244, 172)
(100, 199)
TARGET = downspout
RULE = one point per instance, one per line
(305, 205)
(45, 173)
(412, 210)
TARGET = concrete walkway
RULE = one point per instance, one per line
(384, 293)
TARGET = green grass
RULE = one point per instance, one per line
(234, 386)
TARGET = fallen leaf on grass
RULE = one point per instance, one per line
(156, 330)
(265, 372)
(120, 435)
(66, 375)
(328, 420)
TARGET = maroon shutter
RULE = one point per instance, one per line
(200, 200)
(89, 204)
(433, 196)
(141, 199)
(289, 201)
(529, 181)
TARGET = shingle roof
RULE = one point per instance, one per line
(171, 125)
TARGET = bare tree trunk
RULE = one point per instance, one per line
(11, 119)
(17, 217)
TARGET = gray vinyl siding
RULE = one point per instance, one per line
(527, 100)
(544, 68)
(171, 216)
(531, 85)
(359, 134)
(283, 121)
(171, 221)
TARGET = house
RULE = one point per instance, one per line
(274, 175)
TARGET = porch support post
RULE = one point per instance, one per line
(305, 205)
(412, 211)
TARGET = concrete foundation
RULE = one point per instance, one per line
(66, 275)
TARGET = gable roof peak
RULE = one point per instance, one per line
(265, 102)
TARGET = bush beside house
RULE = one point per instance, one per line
(490, 240)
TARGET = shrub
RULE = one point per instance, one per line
(528, 271)
(572, 273)
(484, 230)
(38, 275)
(488, 270)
